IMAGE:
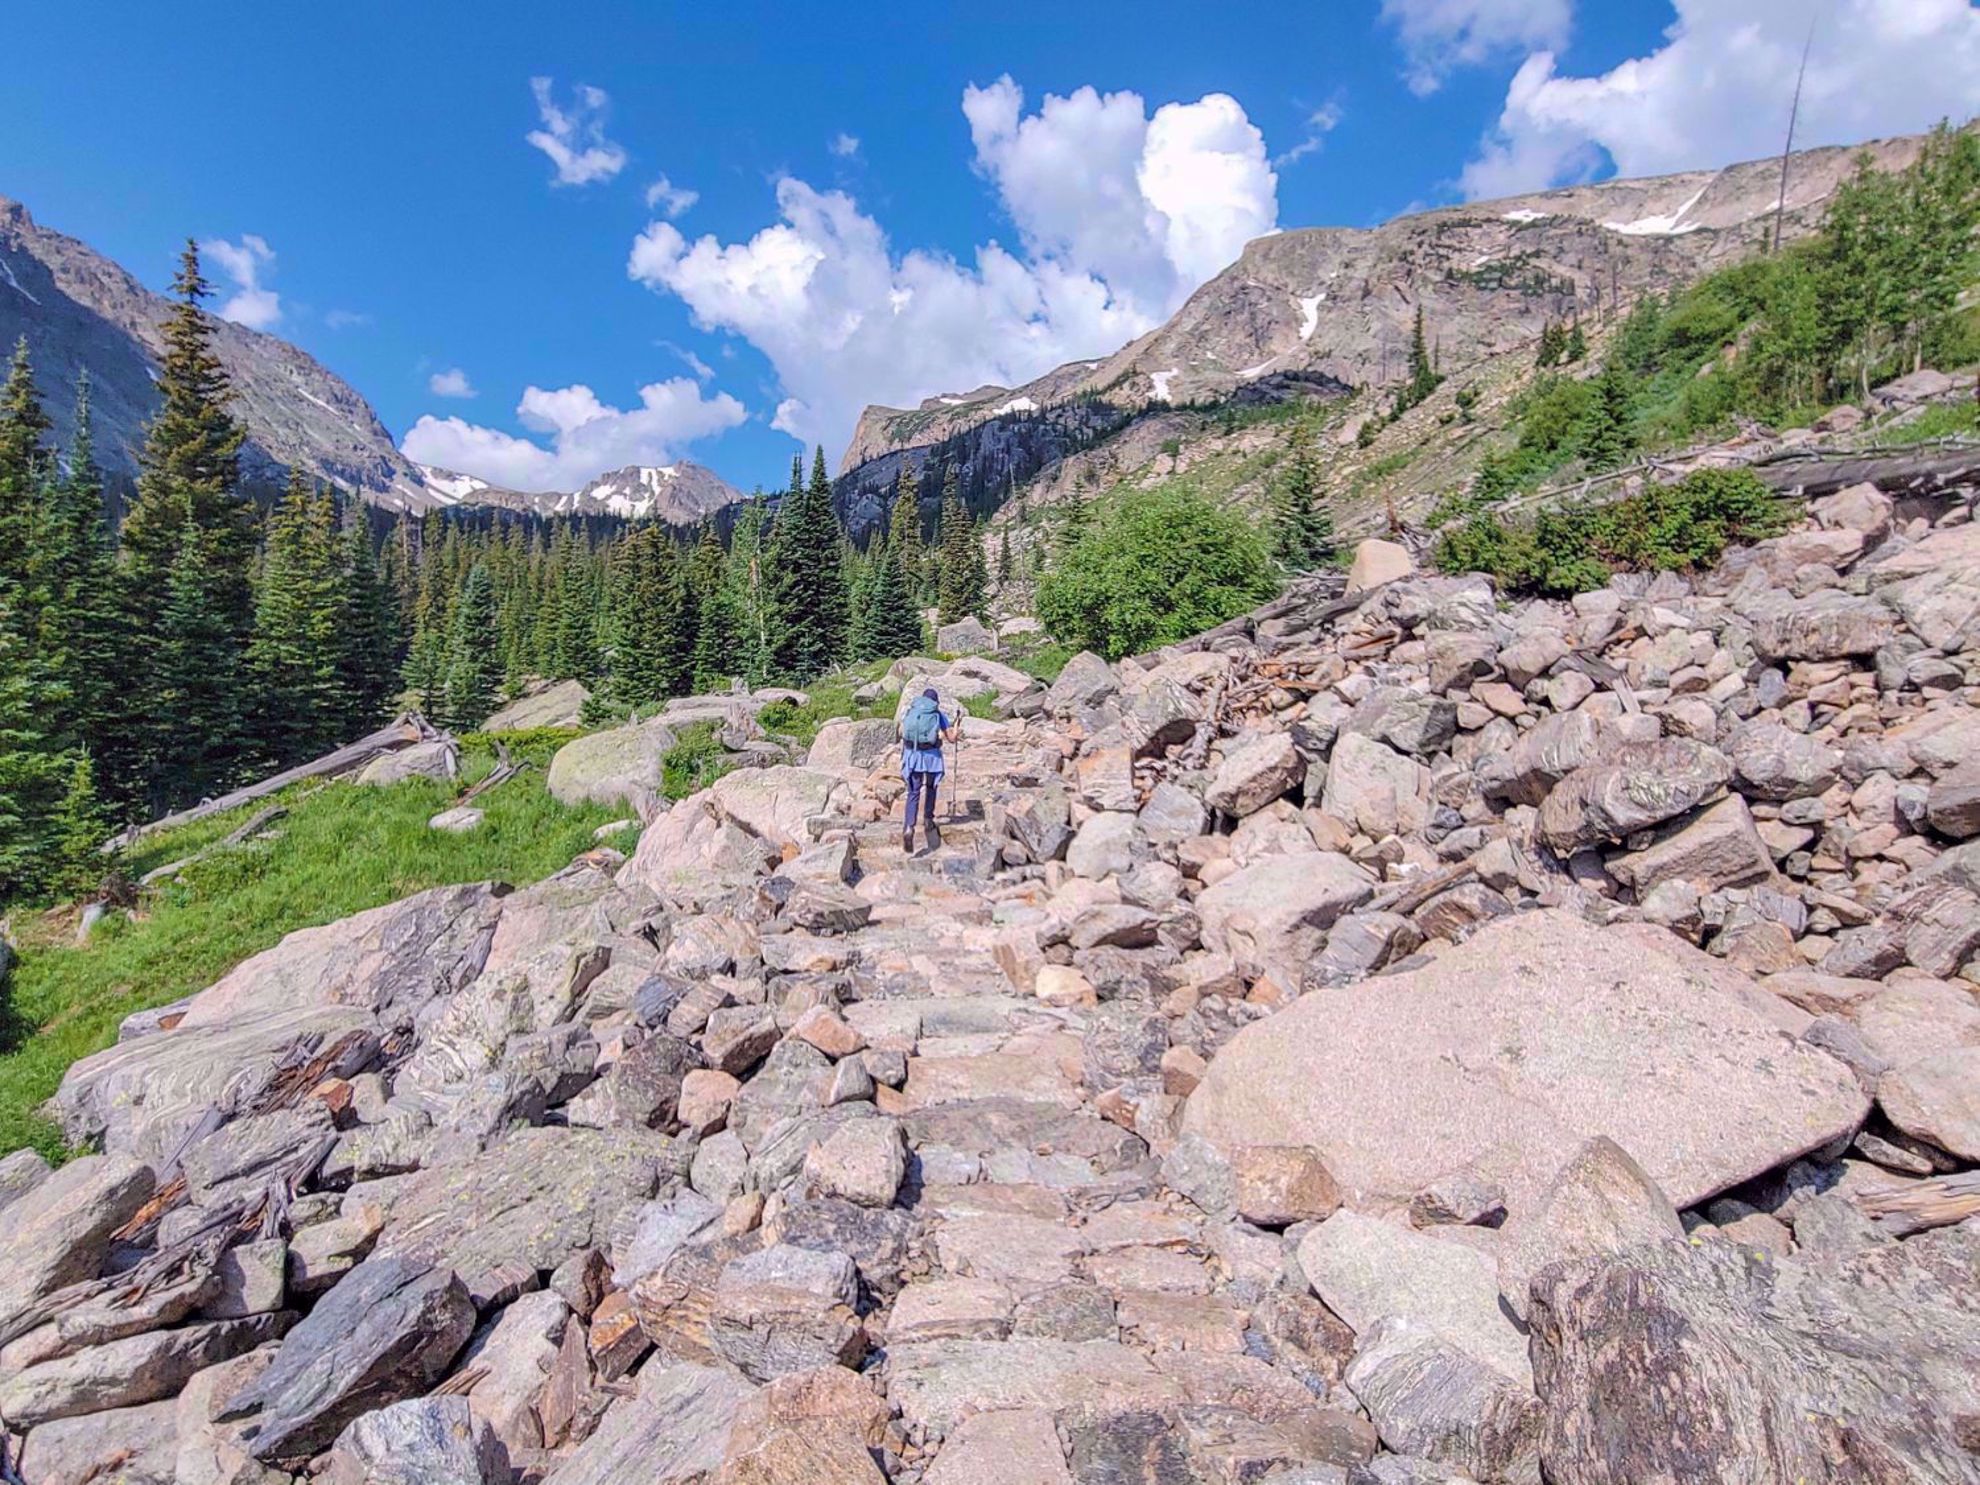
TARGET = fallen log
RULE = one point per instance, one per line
(505, 769)
(254, 823)
(401, 732)
(1938, 1202)
(1921, 469)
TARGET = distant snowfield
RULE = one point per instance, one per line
(1160, 380)
(14, 283)
(1016, 404)
(1309, 314)
(1660, 226)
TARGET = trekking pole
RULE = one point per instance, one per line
(957, 815)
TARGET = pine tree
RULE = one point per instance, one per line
(194, 743)
(649, 644)
(34, 772)
(188, 545)
(979, 570)
(25, 467)
(1551, 340)
(806, 583)
(904, 531)
(1302, 529)
(1004, 557)
(1574, 345)
(295, 657)
(79, 641)
(473, 668)
(956, 592)
(1423, 377)
(747, 594)
(1609, 438)
(74, 865)
(893, 623)
(368, 633)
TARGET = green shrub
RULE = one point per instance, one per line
(1572, 548)
(696, 760)
(1153, 567)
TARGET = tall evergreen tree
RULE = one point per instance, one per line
(473, 667)
(295, 657)
(806, 583)
(904, 532)
(1302, 528)
(892, 625)
(194, 740)
(35, 773)
(1610, 436)
(649, 646)
(958, 592)
(368, 632)
(25, 467)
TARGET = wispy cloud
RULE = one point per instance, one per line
(1319, 124)
(845, 146)
(346, 319)
(574, 137)
(252, 303)
(669, 199)
(453, 382)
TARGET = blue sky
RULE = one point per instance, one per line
(859, 203)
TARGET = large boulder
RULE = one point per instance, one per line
(1377, 562)
(1272, 917)
(438, 760)
(694, 853)
(621, 765)
(853, 745)
(967, 636)
(1256, 769)
(674, 1430)
(1375, 789)
(1676, 1362)
(423, 1441)
(1636, 786)
(776, 804)
(1546, 1031)
(541, 704)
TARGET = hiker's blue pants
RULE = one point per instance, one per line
(921, 787)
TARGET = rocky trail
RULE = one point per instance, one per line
(1405, 1037)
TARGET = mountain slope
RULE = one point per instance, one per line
(81, 311)
(1341, 301)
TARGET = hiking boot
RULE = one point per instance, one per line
(907, 842)
(934, 838)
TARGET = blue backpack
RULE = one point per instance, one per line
(922, 726)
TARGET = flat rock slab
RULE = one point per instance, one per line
(673, 1431)
(1509, 1051)
(536, 1198)
(938, 1384)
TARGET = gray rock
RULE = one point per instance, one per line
(1719, 847)
(1042, 821)
(1635, 787)
(387, 1331)
(1366, 1270)
(786, 1309)
(424, 1441)
(1107, 845)
(1172, 814)
(863, 1161)
(1952, 805)
(1715, 1365)
(673, 1431)
(20, 1173)
(1557, 746)
(1374, 788)
(1257, 768)
(967, 636)
(124, 1373)
(1825, 626)
(1272, 918)
(1600, 1203)
(438, 760)
(619, 766)
(641, 1089)
(57, 1233)
(1432, 1399)
(1937, 1099)
(1408, 721)
(1086, 681)
(123, 1446)
(534, 1198)
(1775, 762)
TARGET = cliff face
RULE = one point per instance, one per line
(1341, 302)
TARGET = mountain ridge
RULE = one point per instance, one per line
(1340, 301)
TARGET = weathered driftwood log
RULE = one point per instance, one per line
(402, 732)
(1921, 470)
(258, 821)
(1939, 1202)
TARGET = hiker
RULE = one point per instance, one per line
(923, 727)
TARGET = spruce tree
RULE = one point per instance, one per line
(893, 623)
(368, 632)
(746, 594)
(1423, 377)
(188, 552)
(648, 651)
(473, 667)
(904, 531)
(1574, 345)
(295, 658)
(1550, 345)
(806, 583)
(1004, 557)
(34, 771)
(1302, 529)
(955, 590)
(25, 467)
(194, 740)
(1609, 437)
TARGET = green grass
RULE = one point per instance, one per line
(696, 760)
(1941, 420)
(828, 698)
(342, 849)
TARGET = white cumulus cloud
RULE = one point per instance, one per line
(252, 303)
(586, 436)
(574, 137)
(1719, 88)
(669, 199)
(1439, 36)
(453, 382)
(1120, 215)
